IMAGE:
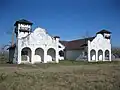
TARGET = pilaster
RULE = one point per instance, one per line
(103, 55)
(96, 56)
(32, 56)
(45, 56)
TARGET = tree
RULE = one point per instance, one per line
(116, 52)
(4, 54)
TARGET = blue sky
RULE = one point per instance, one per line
(69, 19)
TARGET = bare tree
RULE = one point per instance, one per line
(3, 54)
(116, 51)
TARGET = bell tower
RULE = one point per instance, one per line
(22, 28)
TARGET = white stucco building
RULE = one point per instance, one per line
(97, 48)
(38, 46)
(34, 47)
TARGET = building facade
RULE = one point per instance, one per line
(39, 47)
(34, 47)
(97, 48)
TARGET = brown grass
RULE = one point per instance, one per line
(63, 76)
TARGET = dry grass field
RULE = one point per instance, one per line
(67, 75)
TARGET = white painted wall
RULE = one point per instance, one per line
(37, 39)
(37, 58)
(61, 49)
(99, 43)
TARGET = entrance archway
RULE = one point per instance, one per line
(39, 55)
(26, 54)
(93, 54)
(107, 55)
(51, 54)
(100, 55)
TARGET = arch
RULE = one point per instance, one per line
(107, 55)
(61, 53)
(39, 55)
(26, 54)
(51, 54)
(92, 54)
(100, 55)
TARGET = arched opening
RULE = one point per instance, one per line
(100, 55)
(93, 54)
(39, 55)
(26, 54)
(107, 55)
(61, 53)
(51, 54)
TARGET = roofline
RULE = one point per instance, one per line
(100, 32)
(81, 39)
(56, 37)
(18, 21)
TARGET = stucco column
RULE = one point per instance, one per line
(57, 55)
(32, 56)
(96, 55)
(19, 56)
(45, 55)
(89, 55)
(110, 55)
(89, 51)
(57, 38)
(104, 55)
(18, 48)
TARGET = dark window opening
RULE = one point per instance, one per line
(24, 53)
(59, 46)
(61, 53)
(107, 37)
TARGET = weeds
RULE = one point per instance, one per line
(63, 76)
